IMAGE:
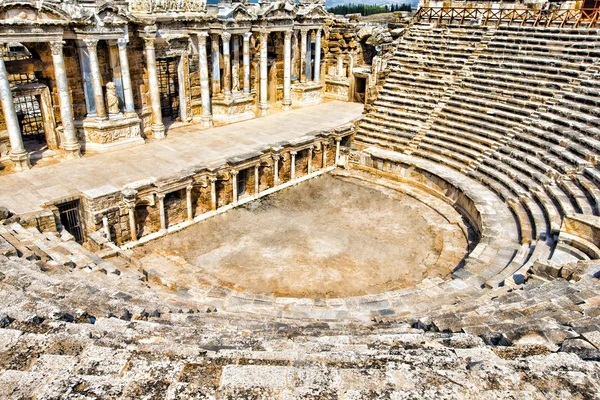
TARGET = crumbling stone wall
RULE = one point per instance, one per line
(224, 192)
(301, 163)
(201, 199)
(175, 207)
(147, 218)
(265, 177)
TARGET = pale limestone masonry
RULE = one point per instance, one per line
(486, 113)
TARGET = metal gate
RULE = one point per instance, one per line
(70, 219)
(30, 118)
(168, 85)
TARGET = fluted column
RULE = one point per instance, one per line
(317, 66)
(204, 88)
(188, 202)
(234, 175)
(213, 192)
(292, 165)
(216, 64)
(70, 143)
(18, 155)
(287, 71)
(235, 65)
(126, 77)
(158, 129)
(276, 169)
(246, 55)
(161, 209)
(132, 225)
(92, 47)
(303, 35)
(256, 179)
(308, 57)
(264, 102)
(226, 37)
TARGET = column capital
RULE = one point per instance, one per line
(247, 36)
(264, 34)
(293, 152)
(338, 139)
(318, 32)
(91, 44)
(149, 42)
(226, 36)
(287, 35)
(304, 31)
(160, 196)
(202, 34)
(189, 188)
(212, 179)
(57, 47)
(234, 172)
(276, 156)
(122, 43)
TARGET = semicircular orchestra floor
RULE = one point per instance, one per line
(329, 237)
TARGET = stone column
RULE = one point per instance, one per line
(70, 144)
(303, 35)
(213, 192)
(91, 45)
(337, 150)
(264, 102)
(295, 56)
(276, 169)
(235, 67)
(161, 209)
(125, 77)
(324, 161)
(292, 165)
(287, 71)
(204, 88)
(256, 179)
(158, 129)
(226, 37)
(188, 200)
(132, 225)
(340, 66)
(216, 65)
(308, 57)
(18, 155)
(234, 175)
(317, 67)
(309, 165)
(246, 54)
(106, 227)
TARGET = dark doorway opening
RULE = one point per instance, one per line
(360, 88)
(70, 218)
(168, 86)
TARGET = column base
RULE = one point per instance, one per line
(286, 105)
(207, 121)
(72, 150)
(158, 131)
(264, 109)
(21, 160)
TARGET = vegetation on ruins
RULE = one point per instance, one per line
(366, 9)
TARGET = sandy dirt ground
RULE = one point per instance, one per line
(327, 237)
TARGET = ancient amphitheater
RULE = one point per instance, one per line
(267, 201)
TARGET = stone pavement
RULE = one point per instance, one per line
(186, 146)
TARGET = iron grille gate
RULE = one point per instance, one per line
(70, 219)
(168, 85)
(30, 118)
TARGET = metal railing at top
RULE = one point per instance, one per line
(582, 18)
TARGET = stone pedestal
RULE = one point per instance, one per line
(307, 94)
(118, 132)
(337, 88)
(232, 109)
